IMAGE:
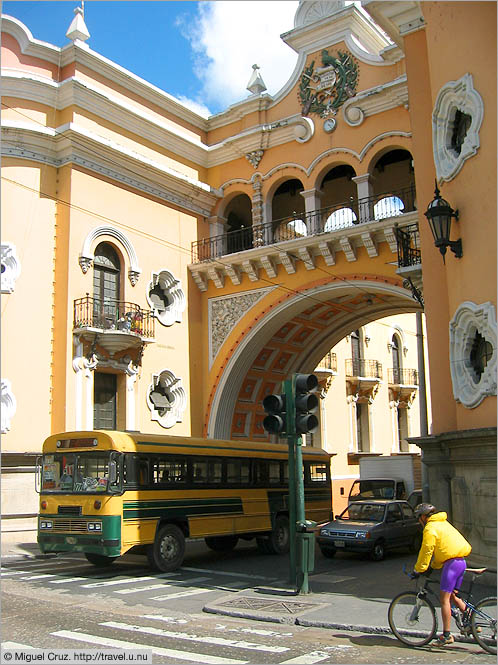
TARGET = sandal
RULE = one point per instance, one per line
(443, 640)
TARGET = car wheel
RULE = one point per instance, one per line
(378, 552)
(328, 552)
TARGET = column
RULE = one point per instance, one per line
(364, 186)
(312, 205)
(131, 377)
(257, 213)
(216, 245)
(89, 365)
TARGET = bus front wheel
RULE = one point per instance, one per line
(167, 552)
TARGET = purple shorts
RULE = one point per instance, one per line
(452, 575)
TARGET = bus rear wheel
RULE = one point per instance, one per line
(279, 540)
(221, 543)
(168, 550)
(99, 559)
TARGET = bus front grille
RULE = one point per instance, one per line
(76, 526)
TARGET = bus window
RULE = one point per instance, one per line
(199, 472)
(214, 472)
(318, 473)
(260, 472)
(143, 472)
(238, 472)
(274, 473)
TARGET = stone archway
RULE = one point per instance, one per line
(292, 334)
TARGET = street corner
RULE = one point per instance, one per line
(266, 604)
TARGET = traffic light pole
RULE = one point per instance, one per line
(291, 441)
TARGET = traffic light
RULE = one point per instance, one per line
(275, 421)
(306, 403)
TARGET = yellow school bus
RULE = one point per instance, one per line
(104, 493)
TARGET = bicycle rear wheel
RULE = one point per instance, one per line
(484, 618)
(412, 619)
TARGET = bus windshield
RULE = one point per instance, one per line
(79, 472)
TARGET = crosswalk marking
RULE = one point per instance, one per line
(15, 645)
(225, 572)
(160, 651)
(68, 579)
(194, 580)
(129, 580)
(307, 658)
(182, 594)
(218, 641)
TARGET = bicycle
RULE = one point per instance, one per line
(413, 619)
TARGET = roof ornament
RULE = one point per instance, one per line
(256, 84)
(78, 31)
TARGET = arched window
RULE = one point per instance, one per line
(296, 228)
(340, 219)
(389, 206)
(396, 347)
(106, 279)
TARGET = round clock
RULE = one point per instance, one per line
(329, 125)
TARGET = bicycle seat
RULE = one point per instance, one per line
(476, 571)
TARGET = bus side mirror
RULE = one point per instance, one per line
(113, 472)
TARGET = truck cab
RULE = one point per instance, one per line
(377, 488)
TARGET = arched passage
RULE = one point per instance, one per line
(291, 334)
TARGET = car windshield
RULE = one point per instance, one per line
(363, 512)
(75, 472)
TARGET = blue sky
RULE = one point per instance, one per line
(199, 52)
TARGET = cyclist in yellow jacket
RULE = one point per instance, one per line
(444, 547)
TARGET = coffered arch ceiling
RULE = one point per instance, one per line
(292, 335)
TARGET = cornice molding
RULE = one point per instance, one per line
(73, 144)
(376, 100)
(396, 17)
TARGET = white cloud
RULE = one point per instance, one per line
(228, 37)
(197, 107)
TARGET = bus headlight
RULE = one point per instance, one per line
(46, 525)
(94, 526)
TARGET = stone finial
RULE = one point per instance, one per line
(256, 84)
(78, 30)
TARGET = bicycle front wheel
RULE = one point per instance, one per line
(483, 624)
(412, 619)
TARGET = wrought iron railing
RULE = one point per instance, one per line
(110, 314)
(407, 377)
(371, 369)
(408, 241)
(328, 362)
(343, 215)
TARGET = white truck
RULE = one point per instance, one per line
(388, 477)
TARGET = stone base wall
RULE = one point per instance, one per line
(460, 473)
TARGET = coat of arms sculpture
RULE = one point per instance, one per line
(323, 90)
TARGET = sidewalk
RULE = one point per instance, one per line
(353, 601)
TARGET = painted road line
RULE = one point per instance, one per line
(68, 579)
(114, 582)
(182, 594)
(307, 658)
(217, 641)
(160, 651)
(15, 645)
(222, 573)
(151, 587)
